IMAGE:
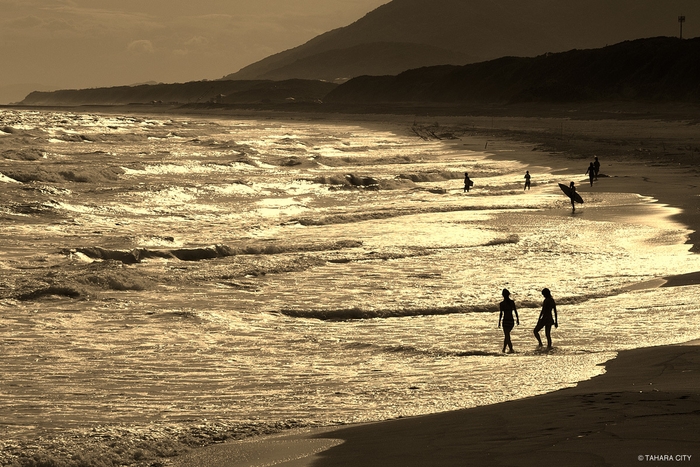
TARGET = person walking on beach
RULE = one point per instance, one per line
(572, 187)
(546, 320)
(467, 182)
(506, 314)
(527, 180)
(596, 165)
(590, 172)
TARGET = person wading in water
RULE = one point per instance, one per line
(546, 320)
(506, 314)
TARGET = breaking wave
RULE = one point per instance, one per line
(387, 214)
(137, 255)
(411, 350)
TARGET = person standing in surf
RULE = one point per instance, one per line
(546, 320)
(590, 171)
(527, 180)
(596, 165)
(467, 182)
(506, 314)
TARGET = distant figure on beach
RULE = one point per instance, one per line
(507, 309)
(546, 320)
(590, 171)
(572, 187)
(467, 182)
(527, 180)
(596, 165)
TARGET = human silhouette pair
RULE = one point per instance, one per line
(545, 320)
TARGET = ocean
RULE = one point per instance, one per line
(171, 281)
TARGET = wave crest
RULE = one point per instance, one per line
(357, 313)
(137, 255)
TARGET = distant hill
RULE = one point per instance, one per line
(661, 69)
(220, 92)
(406, 34)
(656, 69)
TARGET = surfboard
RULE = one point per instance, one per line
(567, 191)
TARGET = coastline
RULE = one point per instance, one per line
(608, 420)
(642, 409)
(625, 175)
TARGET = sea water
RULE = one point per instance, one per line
(169, 275)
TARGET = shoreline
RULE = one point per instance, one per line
(643, 148)
(502, 434)
(624, 175)
(393, 442)
(645, 404)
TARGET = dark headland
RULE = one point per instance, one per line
(653, 71)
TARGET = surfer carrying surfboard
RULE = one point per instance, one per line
(546, 320)
(467, 182)
(570, 191)
(507, 309)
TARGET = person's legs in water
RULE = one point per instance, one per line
(548, 334)
(536, 331)
(506, 339)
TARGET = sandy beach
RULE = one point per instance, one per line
(649, 159)
(642, 410)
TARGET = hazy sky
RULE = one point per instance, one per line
(91, 43)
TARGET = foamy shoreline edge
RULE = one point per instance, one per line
(326, 458)
(302, 449)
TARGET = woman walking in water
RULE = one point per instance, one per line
(591, 173)
(507, 309)
(546, 320)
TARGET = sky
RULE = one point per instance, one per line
(92, 43)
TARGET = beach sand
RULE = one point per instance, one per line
(648, 401)
(643, 408)
(646, 404)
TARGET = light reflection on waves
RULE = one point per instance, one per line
(349, 218)
(176, 340)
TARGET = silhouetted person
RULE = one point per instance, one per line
(527, 180)
(596, 165)
(572, 187)
(590, 171)
(507, 309)
(467, 182)
(546, 319)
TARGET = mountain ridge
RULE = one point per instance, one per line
(660, 69)
(470, 31)
(652, 69)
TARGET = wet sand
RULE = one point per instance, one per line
(642, 410)
(646, 404)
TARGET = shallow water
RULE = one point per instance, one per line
(170, 275)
